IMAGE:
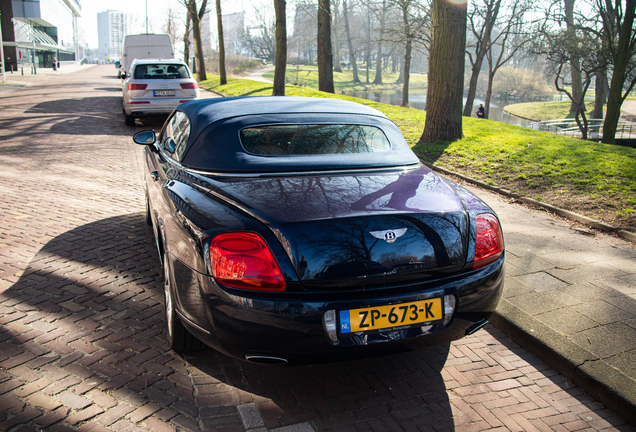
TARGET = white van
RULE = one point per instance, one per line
(145, 46)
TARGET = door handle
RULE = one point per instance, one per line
(154, 175)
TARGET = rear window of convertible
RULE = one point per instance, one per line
(316, 139)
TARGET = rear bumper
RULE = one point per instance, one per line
(245, 324)
(152, 107)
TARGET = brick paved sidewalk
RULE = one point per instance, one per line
(82, 338)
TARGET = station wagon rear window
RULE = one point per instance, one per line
(161, 71)
(313, 139)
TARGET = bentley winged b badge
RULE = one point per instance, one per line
(389, 236)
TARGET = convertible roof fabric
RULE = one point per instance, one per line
(214, 144)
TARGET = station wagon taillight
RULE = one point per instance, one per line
(489, 244)
(243, 260)
(132, 86)
(189, 86)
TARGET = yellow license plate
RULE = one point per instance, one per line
(383, 317)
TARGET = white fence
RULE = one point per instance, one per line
(568, 127)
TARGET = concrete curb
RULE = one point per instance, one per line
(593, 223)
(604, 383)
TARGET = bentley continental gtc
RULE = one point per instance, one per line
(294, 229)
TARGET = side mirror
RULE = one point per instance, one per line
(146, 137)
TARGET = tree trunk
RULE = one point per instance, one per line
(445, 73)
(325, 55)
(352, 53)
(186, 41)
(281, 48)
(400, 79)
(621, 61)
(488, 95)
(407, 54)
(367, 50)
(490, 19)
(219, 23)
(602, 89)
(336, 41)
(196, 33)
(575, 63)
(378, 60)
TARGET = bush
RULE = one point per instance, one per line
(234, 65)
(524, 84)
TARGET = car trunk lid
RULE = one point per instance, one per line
(359, 231)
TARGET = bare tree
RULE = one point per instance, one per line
(481, 21)
(559, 47)
(186, 39)
(510, 39)
(378, 62)
(169, 26)
(335, 36)
(280, 7)
(262, 44)
(445, 72)
(195, 17)
(619, 32)
(352, 53)
(408, 28)
(325, 55)
(575, 64)
(219, 24)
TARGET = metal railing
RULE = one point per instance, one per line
(568, 127)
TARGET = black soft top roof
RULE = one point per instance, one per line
(214, 143)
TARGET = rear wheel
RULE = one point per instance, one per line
(179, 338)
(129, 120)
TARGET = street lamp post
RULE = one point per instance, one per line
(4, 76)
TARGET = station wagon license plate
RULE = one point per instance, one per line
(386, 317)
(164, 93)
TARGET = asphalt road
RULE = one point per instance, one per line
(82, 338)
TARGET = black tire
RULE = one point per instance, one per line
(129, 120)
(179, 338)
(148, 215)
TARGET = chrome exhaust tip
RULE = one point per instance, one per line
(473, 328)
(266, 360)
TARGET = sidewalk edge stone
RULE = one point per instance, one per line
(601, 381)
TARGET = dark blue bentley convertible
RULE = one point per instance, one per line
(295, 229)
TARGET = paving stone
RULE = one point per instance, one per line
(542, 281)
(566, 321)
(602, 342)
(81, 307)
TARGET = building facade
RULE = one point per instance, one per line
(110, 35)
(234, 34)
(39, 31)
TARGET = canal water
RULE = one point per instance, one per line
(417, 99)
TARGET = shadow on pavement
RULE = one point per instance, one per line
(86, 321)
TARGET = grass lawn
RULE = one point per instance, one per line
(597, 180)
(541, 111)
(343, 81)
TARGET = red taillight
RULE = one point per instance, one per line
(243, 260)
(189, 86)
(489, 244)
(132, 86)
(139, 102)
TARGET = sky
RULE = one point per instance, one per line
(157, 12)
